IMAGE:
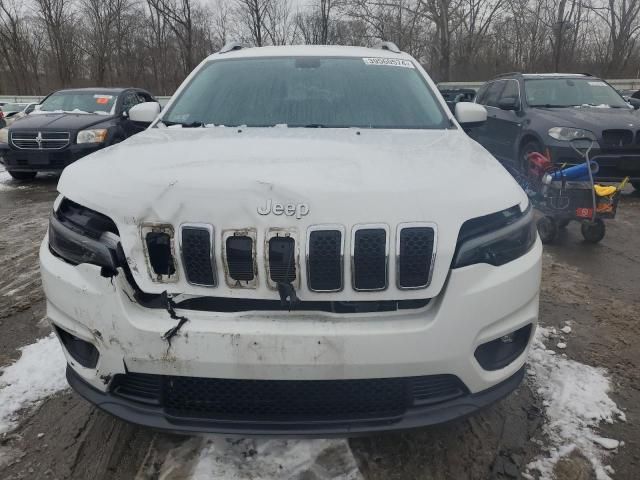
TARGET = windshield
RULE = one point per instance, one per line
(13, 107)
(571, 92)
(308, 92)
(79, 102)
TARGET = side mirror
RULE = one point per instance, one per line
(144, 112)
(634, 102)
(470, 114)
(508, 103)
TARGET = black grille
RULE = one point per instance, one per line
(287, 400)
(40, 140)
(197, 254)
(239, 251)
(160, 256)
(370, 259)
(416, 252)
(140, 387)
(282, 259)
(325, 260)
(617, 138)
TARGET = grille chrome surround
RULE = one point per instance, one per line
(325, 228)
(243, 232)
(212, 256)
(431, 264)
(354, 231)
(40, 140)
(287, 233)
(160, 228)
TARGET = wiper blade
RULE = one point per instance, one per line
(315, 125)
(169, 123)
(549, 105)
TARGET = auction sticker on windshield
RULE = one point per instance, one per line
(390, 62)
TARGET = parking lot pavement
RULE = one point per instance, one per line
(577, 414)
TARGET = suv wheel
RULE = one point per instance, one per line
(523, 160)
(23, 175)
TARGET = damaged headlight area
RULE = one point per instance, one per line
(497, 238)
(80, 235)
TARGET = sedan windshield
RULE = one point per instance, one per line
(79, 102)
(571, 92)
(321, 92)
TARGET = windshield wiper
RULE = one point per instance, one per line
(550, 105)
(169, 123)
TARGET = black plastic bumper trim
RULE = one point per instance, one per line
(155, 417)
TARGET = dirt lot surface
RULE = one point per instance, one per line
(593, 288)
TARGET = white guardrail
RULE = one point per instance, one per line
(618, 83)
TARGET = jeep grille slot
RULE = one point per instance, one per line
(198, 254)
(415, 256)
(160, 256)
(282, 259)
(239, 253)
(324, 260)
(369, 257)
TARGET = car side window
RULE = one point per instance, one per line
(482, 93)
(493, 93)
(130, 99)
(511, 91)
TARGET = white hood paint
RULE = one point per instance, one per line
(346, 176)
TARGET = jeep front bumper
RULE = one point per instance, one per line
(478, 304)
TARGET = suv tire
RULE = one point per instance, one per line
(23, 175)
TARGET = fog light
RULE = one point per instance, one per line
(82, 352)
(500, 352)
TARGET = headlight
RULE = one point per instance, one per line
(567, 133)
(92, 136)
(4, 135)
(496, 239)
(79, 235)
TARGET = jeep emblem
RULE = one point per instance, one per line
(289, 209)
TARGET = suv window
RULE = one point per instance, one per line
(493, 93)
(332, 92)
(571, 92)
(511, 90)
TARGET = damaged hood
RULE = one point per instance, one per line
(223, 176)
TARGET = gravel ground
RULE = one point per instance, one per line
(592, 288)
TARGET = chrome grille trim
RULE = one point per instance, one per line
(320, 228)
(370, 226)
(402, 226)
(212, 252)
(39, 140)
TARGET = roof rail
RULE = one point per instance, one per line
(392, 47)
(230, 47)
(508, 74)
(586, 74)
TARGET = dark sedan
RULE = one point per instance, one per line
(543, 112)
(68, 125)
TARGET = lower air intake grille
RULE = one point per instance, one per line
(287, 400)
(370, 259)
(415, 255)
(282, 259)
(197, 254)
(325, 260)
(239, 250)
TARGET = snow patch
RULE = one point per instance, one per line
(259, 459)
(38, 373)
(576, 400)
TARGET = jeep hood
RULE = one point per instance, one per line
(221, 176)
(591, 118)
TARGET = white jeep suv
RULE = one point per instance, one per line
(304, 242)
